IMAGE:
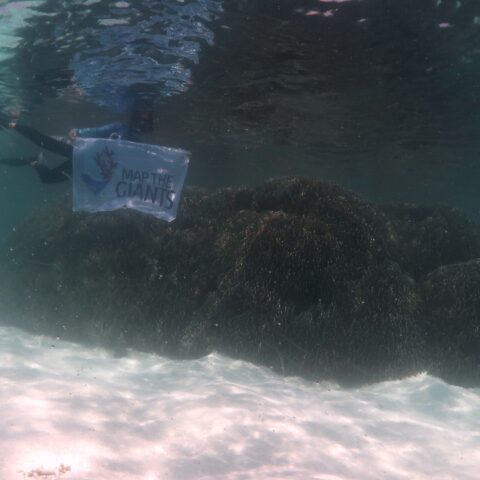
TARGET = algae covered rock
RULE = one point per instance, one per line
(451, 321)
(296, 274)
(429, 237)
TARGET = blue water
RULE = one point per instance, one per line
(108, 53)
(108, 57)
(382, 98)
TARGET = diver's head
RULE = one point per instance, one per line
(141, 120)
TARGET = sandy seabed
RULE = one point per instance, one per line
(76, 413)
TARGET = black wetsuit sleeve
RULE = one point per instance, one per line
(44, 141)
(17, 161)
(54, 175)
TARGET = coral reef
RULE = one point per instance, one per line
(297, 274)
(451, 321)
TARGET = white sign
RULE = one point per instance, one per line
(112, 174)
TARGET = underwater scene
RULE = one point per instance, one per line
(240, 239)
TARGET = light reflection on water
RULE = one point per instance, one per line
(380, 98)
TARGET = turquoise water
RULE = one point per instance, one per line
(381, 97)
(383, 100)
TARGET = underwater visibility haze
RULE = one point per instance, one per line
(313, 312)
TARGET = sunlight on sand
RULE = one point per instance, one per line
(71, 412)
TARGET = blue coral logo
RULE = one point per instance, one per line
(104, 168)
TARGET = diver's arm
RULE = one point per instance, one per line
(18, 161)
(44, 141)
(38, 138)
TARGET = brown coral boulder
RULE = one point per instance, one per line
(297, 274)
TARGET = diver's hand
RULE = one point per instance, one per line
(40, 160)
(72, 135)
(6, 121)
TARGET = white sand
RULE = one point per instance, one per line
(72, 412)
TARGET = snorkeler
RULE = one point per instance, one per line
(140, 122)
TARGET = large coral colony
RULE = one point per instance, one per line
(297, 274)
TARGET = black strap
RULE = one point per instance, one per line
(54, 175)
